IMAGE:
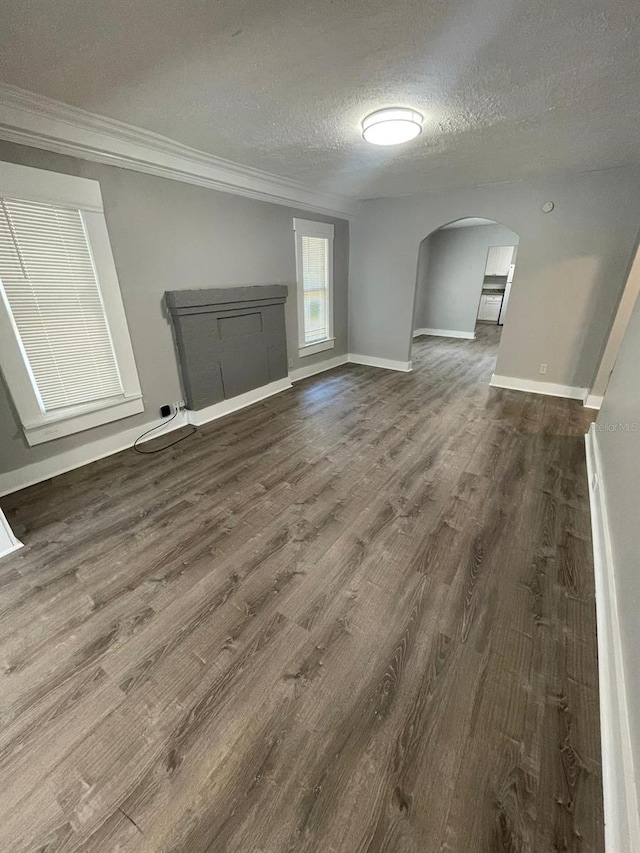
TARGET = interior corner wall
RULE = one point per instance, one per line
(571, 267)
(624, 310)
(617, 433)
(451, 265)
(168, 235)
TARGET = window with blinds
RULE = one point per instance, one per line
(314, 272)
(50, 287)
(315, 288)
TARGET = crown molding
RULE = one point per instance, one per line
(40, 122)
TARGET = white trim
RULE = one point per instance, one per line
(312, 349)
(46, 187)
(47, 429)
(68, 460)
(386, 363)
(349, 358)
(445, 333)
(41, 122)
(102, 254)
(593, 401)
(304, 372)
(39, 426)
(8, 541)
(551, 389)
(166, 425)
(621, 822)
(313, 228)
(226, 407)
(10, 549)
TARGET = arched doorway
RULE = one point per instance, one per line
(464, 279)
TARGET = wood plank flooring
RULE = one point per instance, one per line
(355, 618)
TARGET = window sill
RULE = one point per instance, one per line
(312, 349)
(59, 426)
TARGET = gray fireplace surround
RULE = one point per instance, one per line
(229, 340)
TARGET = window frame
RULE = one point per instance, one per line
(39, 185)
(312, 228)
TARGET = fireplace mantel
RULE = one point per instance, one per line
(229, 340)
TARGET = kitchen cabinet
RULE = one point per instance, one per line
(499, 260)
(489, 308)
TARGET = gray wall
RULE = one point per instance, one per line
(620, 474)
(571, 267)
(619, 327)
(451, 266)
(168, 235)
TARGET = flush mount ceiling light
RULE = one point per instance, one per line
(392, 126)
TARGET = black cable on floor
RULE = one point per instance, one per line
(167, 446)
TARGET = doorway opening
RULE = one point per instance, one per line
(464, 281)
(496, 284)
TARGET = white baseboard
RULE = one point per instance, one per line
(349, 358)
(171, 424)
(233, 404)
(593, 401)
(532, 386)
(320, 366)
(445, 333)
(10, 549)
(621, 820)
(386, 363)
(36, 472)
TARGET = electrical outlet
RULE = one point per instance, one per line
(543, 368)
(290, 362)
(179, 406)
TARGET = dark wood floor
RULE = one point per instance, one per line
(356, 617)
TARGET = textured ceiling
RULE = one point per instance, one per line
(509, 88)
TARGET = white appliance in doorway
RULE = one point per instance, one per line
(507, 293)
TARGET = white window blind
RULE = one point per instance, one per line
(50, 287)
(315, 288)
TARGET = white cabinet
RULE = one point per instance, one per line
(499, 260)
(489, 308)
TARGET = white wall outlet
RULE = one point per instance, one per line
(543, 368)
(179, 406)
(290, 362)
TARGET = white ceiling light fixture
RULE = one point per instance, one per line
(392, 126)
